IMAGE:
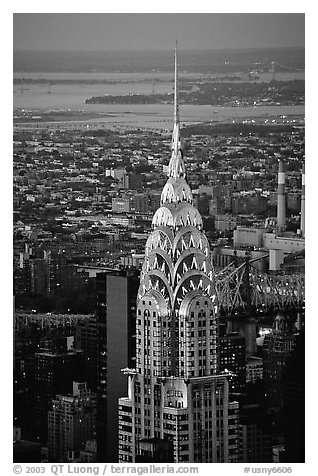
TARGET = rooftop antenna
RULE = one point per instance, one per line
(153, 81)
(175, 143)
(176, 164)
(176, 98)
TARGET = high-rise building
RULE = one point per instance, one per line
(141, 203)
(176, 392)
(277, 349)
(226, 222)
(116, 349)
(256, 444)
(146, 202)
(86, 337)
(216, 206)
(32, 276)
(54, 374)
(254, 369)
(293, 414)
(232, 359)
(201, 202)
(154, 199)
(71, 422)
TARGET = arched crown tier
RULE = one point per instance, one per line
(176, 216)
(176, 191)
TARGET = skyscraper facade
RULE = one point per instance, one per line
(116, 348)
(176, 391)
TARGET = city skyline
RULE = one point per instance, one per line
(216, 234)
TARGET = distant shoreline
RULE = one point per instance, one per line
(205, 61)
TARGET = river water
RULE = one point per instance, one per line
(71, 97)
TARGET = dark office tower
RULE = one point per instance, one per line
(216, 206)
(22, 272)
(141, 202)
(54, 374)
(175, 391)
(277, 349)
(116, 345)
(255, 436)
(39, 268)
(154, 201)
(59, 272)
(232, 359)
(293, 414)
(35, 270)
(86, 340)
(23, 408)
(71, 422)
(201, 202)
(33, 274)
(134, 181)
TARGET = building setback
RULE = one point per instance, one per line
(175, 391)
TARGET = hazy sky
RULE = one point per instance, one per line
(113, 31)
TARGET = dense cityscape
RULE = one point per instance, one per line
(159, 280)
(90, 195)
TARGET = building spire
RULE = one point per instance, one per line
(176, 165)
(176, 85)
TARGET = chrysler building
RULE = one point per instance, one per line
(176, 393)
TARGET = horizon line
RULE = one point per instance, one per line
(234, 48)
